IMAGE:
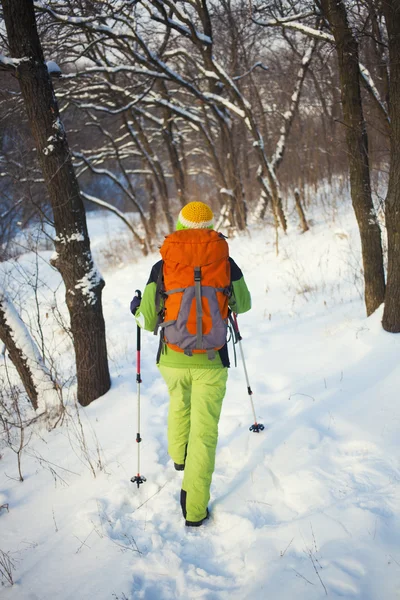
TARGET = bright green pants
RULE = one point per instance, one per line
(195, 405)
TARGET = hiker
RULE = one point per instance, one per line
(187, 298)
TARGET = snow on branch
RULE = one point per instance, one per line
(149, 58)
(6, 213)
(104, 154)
(173, 75)
(366, 77)
(178, 110)
(10, 64)
(289, 19)
(114, 210)
(295, 26)
(229, 81)
(204, 39)
(68, 19)
(19, 343)
(229, 105)
(110, 111)
(89, 23)
(88, 284)
(190, 56)
(114, 70)
(255, 66)
(53, 68)
(145, 113)
(187, 30)
(113, 178)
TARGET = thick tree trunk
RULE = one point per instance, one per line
(357, 147)
(391, 314)
(74, 260)
(26, 358)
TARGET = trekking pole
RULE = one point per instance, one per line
(138, 479)
(256, 427)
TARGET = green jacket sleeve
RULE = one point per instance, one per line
(146, 315)
(240, 300)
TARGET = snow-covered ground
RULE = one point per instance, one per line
(310, 507)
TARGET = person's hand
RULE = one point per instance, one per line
(135, 302)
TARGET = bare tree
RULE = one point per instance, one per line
(193, 79)
(172, 95)
(73, 255)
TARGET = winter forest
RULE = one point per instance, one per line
(284, 117)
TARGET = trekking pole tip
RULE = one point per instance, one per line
(256, 427)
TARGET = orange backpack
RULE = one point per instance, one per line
(195, 289)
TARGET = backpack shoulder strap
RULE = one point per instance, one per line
(159, 298)
(199, 310)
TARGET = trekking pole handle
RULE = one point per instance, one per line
(138, 294)
(239, 337)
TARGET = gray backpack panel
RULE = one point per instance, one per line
(176, 332)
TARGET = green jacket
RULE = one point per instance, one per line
(146, 318)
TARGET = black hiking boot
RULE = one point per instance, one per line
(197, 523)
(179, 467)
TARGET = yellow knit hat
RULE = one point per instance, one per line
(195, 215)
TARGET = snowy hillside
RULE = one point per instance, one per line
(310, 507)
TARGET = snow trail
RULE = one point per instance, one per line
(311, 504)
